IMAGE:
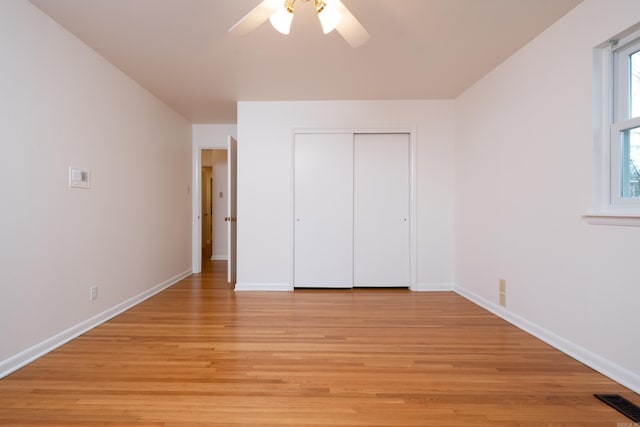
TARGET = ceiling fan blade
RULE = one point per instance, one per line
(256, 17)
(349, 27)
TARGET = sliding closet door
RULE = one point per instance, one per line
(323, 194)
(381, 210)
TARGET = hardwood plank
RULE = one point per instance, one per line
(199, 354)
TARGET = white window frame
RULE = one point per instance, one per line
(611, 119)
(618, 166)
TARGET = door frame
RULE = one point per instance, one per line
(413, 208)
(196, 202)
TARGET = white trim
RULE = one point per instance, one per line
(196, 228)
(617, 199)
(219, 257)
(271, 287)
(615, 372)
(621, 52)
(602, 118)
(413, 207)
(613, 218)
(27, 356)
(292, 208)
(433, 287)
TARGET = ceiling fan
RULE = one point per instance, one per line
(331, 13)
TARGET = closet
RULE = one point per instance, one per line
(351, 210)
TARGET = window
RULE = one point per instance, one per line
(625, 129)
(617, 162)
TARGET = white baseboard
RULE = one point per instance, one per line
(27, 356)
(219, 257)
(277, 287)
(615, 372)
(420, 287)
(432, 287)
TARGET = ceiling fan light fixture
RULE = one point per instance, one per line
(282, 19)
(333, 15)
(328, 15)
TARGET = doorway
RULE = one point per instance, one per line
(214, 200)
(219, 138)
(207, 210)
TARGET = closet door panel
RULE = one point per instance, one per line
(381, 210)
(323, 241)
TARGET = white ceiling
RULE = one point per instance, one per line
(180, 50)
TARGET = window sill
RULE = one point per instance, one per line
(626, 219)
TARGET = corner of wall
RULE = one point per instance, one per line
(27, 356)
(615, 372)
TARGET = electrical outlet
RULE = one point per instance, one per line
(503, 292)
(93, 293)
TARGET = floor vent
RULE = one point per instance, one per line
(621, 404)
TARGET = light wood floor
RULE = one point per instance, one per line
(199, 354)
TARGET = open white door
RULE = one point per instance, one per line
(232, 162)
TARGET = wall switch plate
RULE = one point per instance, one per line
(79, 178)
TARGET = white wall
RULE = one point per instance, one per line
(265, 180)
(524, 177)
(64, 105)
(213, 135)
